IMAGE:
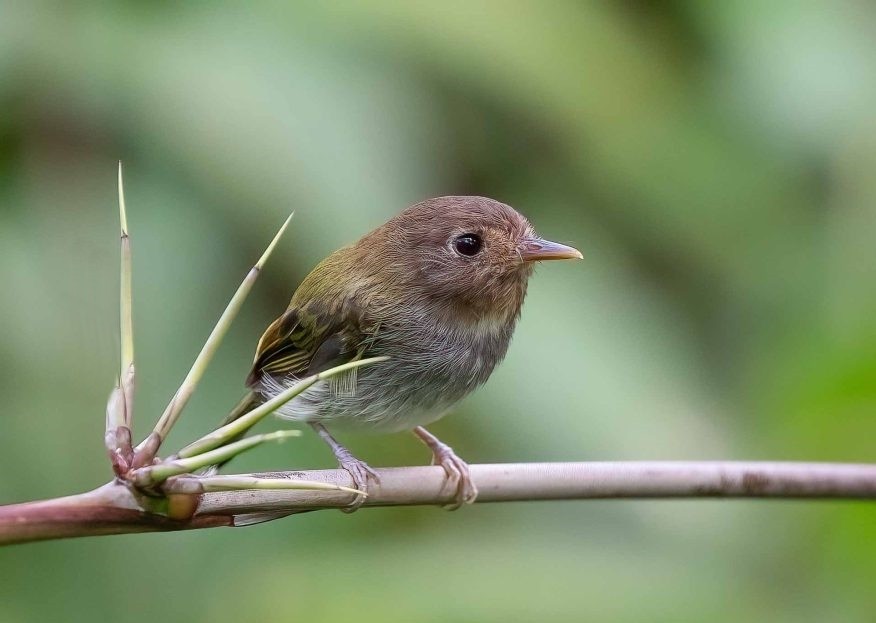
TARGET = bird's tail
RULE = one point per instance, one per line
(246, 404)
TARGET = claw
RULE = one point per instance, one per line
(358, 469)
(458, 473)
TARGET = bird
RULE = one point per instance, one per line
(438, 291)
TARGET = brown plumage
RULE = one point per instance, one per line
(438, 289)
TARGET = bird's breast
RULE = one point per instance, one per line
(430, 367)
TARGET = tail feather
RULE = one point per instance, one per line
(246, 404)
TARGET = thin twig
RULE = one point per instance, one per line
(242, 424)
(120, 406)
(126, 309)
(204, 484)
(511, 482)
(160, 472)
(187, 388)
(113, 509)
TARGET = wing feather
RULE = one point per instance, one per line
(301, 342)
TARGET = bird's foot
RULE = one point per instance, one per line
(458, 473)
(358, 469)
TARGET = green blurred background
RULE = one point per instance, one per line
(714, 161)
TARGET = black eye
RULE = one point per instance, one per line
(468, 244)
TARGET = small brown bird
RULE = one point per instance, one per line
(437, 289)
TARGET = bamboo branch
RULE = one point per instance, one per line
(510, 482)
(174, 467)
(241, 425)
(126, 308)
(120, 406)
(126, 311)
(148, 447)
(110, 509)
(113, 509)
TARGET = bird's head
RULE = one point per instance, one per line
(470, 255)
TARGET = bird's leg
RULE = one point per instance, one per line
(456, 469)
(357, 468)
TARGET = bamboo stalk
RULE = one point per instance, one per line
(160, 472)
(126, 310)
(110, 509)
(509, 482)
(241, 425)
(120, 406)
(148, 447)
(203, 484)
(113, 509)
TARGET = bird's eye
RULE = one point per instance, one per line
(468, 244)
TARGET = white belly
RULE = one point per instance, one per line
(426, 374)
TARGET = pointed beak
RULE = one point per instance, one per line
(536, 250)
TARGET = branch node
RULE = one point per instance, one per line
(146, 451)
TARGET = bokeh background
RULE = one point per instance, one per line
(714, 161)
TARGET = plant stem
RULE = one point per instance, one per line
(510, 482)
(110, 509)
(160, 472)
(126, 312)
(187, 388)
(113, 509)
(241, 425)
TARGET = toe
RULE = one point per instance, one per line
(469, 492)
(359, 472)
(459, 479)
(370, 472)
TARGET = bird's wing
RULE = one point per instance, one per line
(301, 342)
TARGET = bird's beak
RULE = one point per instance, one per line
(536, 250)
